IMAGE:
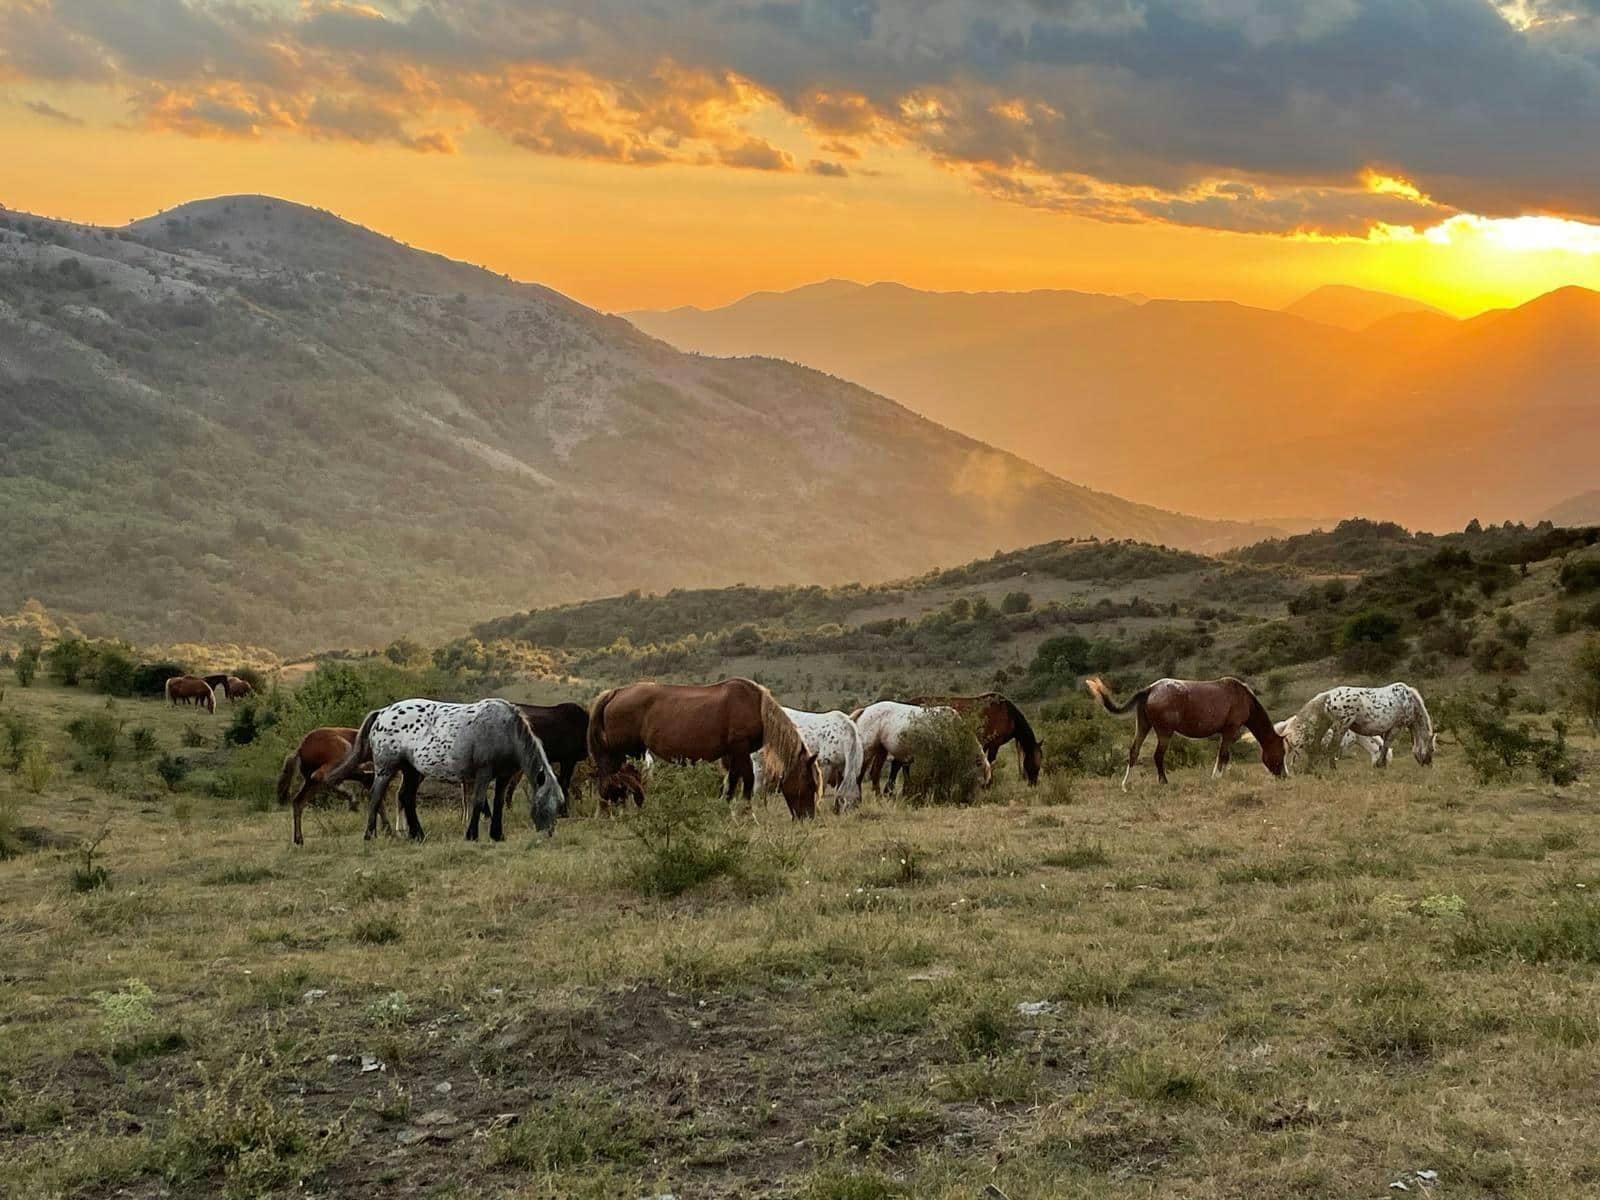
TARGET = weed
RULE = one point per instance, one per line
(1154, 1080)
(385, 886)
(889, 1126)
(1079, 856)
(129, 1011)
(240, 874)
(1568, 931)
(574, 1131)
(376, 931)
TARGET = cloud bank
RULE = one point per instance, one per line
(1321, 117)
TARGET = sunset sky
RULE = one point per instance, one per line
(690, 151)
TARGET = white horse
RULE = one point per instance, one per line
(482, 743)
(886, 728)
(1379, 713)
(1376, 750)
(833, 738)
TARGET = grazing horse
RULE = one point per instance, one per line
(189, 689)
(999, 722)
(886, 730)
(723, 722)
(1380, 754)
(235, 688)
(833, 738)
(563, 731)
(1368, 712)
(482, 743)
(318, 753)
(1195, 708)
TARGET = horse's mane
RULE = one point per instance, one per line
(1422, 711)
(1260, 721)
(781, 743)
(528, 741)
(1019, 724)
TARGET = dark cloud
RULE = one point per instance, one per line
(1238, 114)
(44, 108)
(831, 170)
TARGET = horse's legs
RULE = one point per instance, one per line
(502, 788)
(1224, 752)
(1141, 731)
(564, 777)
(872, 768)
(311, 782)
(380, 786)
(410, 781)
(476, 807)
(894, 773)
(1162, 738)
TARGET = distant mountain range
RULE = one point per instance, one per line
(247, 419)
(1348, 402)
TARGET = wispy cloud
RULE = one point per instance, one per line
(1251, 115)
(44, 108)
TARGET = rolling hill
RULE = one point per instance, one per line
(1355, 308)
(1221, 408)
(247, 419)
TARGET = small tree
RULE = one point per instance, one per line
(67, 659)
(1370, 641)
(1586, 680)
(27, 664)
(1016, 602)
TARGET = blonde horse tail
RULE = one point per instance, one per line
(286, 775)
(1098, 689)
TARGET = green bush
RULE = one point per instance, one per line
(1586, 681)
(17, 734)
(1495, 749)
(1015, 602)
(67, 659)
(26, 665)
(681, 838)
(1579, 573)
(946, 764)
(97, 736)
(1371, 641)
(172, 770)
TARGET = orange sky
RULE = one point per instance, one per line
(615, 234)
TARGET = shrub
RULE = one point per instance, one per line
(1579, 574)
(97, 736)
(1080, 739)
(946, 763)
(67, 659)
(26, 665)
(173, 770)
(1370, 641)
(681, 838)
(1496, 749)
(141, 743)
(573, 1131)
(37, 770)
(113, 668)
(149, 679)
(17, 734)
(1015, 602)
(1586, 681)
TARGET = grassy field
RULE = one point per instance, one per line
(1238, 988)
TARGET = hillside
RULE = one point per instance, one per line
(1223, 409)
(1582, 509)
(1355, 308)
(248, 420)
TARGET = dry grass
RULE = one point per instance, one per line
(1307, 988)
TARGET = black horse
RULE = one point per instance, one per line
(564, 730)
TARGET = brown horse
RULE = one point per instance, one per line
(317, 754)
(235, 688)
(1195, 709)
(999, 722)
(189, 689)
(720, 722)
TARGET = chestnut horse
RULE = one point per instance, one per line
(317, 754)
(723, 722)
(1195, 708)
(186, 689)
(999, 722)
(235, 688)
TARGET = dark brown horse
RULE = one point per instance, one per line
(720, 722)
(317, 754)
(1198, 708)
(189, 689)
(235, 688)
(999, 722)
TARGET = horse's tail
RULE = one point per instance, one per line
(1098, 689)
(291, 760)
(210, 700)
(595, 736)
(360, 751)
(166, 688)
(853, 752)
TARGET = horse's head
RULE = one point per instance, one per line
(1422, 748)
(547, 799)
(801, 784)
(1274, 754)
(985, 768)
(621, 784)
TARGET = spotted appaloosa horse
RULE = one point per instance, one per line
(886, 729)
(190, 689)
(833, 738)
(1380, 712)
(999, 721)
(1379, 753)
(1194, 708)
(482, 743)
(722, 722)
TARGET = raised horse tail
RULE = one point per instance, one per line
(286, 774)
(1098, 689)
(360, 751)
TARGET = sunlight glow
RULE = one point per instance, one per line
(1522, 234)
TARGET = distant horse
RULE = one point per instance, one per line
(886, 730)
(723, 722)
(188, 689)
(1196, 709)
(1370, 712)
(999, 722)
(1380, 754)
(833, 738)
(482, 743)
(315, 757)
(235, 688)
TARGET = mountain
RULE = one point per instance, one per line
(247, 419)
(1224, 409)
(1355, 308)
(1582, 509)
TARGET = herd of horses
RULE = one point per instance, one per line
(762, 746)
(201, 690)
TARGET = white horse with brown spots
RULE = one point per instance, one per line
(886, 730)
(1381, 713)
(834, 739)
